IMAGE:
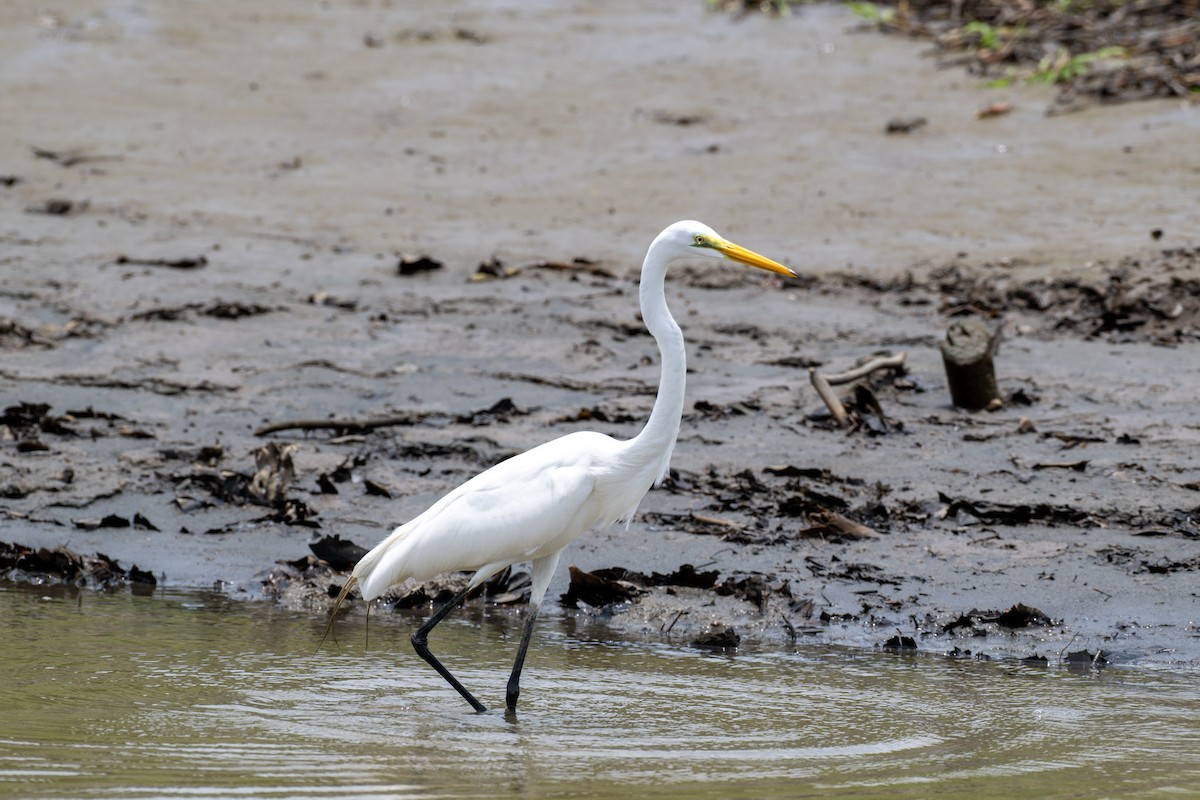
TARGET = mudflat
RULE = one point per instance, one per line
(416, 230)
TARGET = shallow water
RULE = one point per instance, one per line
(191, 695)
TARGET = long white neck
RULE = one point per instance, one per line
(654, 444)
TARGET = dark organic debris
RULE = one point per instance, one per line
(723, 640)
(434, 592)
(577, 265)
(234, 310)
(14, 335)
(375, 488)
(267, 486)
(854, 572)
(508, 587)
(1021, 616)
(963, 621)
(1018, 616)
(753, 589)
(70, 158)
(57, 207)
(1152, 298)
(1137, 562)
(899, 642)
(598, 590)
(273, 474)
(142, 523)
(187, 262)
(208, 455)
(492, 268)
(328, 300)
(108, 521)
(1004, 514)
(476, 451)
(832, 507)
(411, 265)
(502, 410)
(343, 472)
(1078, 466)
(219, 309)
(686, 575)
(341, 554)
(495, 268)
(1082, 658)
(344, 426)
(26, 420)
(680, 119)
(59, 565)
(904, 124)
(598, 414)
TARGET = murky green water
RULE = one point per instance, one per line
(189, 695)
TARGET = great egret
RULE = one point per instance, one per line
(531, 506)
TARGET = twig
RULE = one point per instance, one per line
(718, 521)
(1065, 646)
(821, 384)
(824, 383)
(863, 370)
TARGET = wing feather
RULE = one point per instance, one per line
(528, 506)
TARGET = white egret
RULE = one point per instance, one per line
(531, 506)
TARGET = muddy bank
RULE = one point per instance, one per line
(1102, 52)
(232, 243)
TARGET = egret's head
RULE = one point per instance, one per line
(695, 239)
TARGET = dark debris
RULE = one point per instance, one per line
(63, 566)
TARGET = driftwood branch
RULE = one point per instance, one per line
(824, 383)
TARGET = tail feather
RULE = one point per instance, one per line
(388, 555)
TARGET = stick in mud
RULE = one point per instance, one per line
(824, 383)
(970, 372)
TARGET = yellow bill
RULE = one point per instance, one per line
(744, 256)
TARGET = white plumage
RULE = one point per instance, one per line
(531, 506)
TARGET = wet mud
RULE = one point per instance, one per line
(280, 292)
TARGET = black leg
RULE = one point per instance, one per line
(514, 680)
(420, 644)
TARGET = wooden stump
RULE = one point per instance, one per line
(967, 355)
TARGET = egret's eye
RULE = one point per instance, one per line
(700, 240)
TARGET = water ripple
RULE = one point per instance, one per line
(129, 697)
